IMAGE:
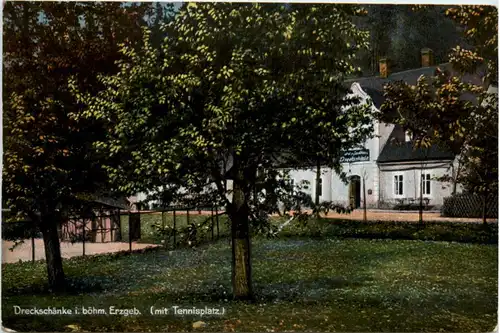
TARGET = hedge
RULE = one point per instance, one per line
(413, 206)
(396, 230)
(469, 206)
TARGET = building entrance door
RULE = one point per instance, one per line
(355, 191)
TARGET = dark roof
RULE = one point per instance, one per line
(121, 203)
(410, 76)
(397, 151)
(374, 85)
(393, 150)
(377, 96)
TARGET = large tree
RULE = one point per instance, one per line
(453, 108)
(233, 90)
(49, 169)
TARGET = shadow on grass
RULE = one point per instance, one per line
(299, 291)
(74, 286)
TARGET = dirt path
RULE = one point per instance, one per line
(23, 251)
(373, 215)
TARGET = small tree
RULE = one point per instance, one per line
(364, 176)
(456, 114)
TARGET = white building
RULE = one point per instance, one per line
(392, 170)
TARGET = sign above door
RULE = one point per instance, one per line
(355, 155)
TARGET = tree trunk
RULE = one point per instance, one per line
(241, 260)
(318, 187)
(455, 178)
(421, 205)
(52, 252)
(364, 200)
(485, 210)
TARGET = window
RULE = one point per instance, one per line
(398, 185)
(320, 186)
(426, 183)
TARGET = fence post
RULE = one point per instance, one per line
(33, 243)
(187, 216)
(163, 228)
(83, 236)
(110, 219)
(217, 219)
(175, 231)
(212, 219)
(120, 225)
(129, 233)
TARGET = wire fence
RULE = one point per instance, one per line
(177, 226)
(170, 227)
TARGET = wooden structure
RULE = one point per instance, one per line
(100, 224)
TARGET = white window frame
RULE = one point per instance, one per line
(428, 178)
(401, 180)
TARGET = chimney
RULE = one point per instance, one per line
(427, 57)
(384, 67)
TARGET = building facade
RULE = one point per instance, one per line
(388, 171)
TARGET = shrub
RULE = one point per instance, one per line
(430, 231)
(412, 206)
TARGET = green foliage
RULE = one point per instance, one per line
(232, 84)
(19, 231)
(233, 91)
(163, 231)
(49, 168)
(431, 231)
(480, 27)
(454, 110)
(413, 206)
(47, 163)
(191, 232)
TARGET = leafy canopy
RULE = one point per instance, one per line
(455, 108)
(234, 89)
(48, 160)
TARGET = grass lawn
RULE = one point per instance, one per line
(313, 285)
